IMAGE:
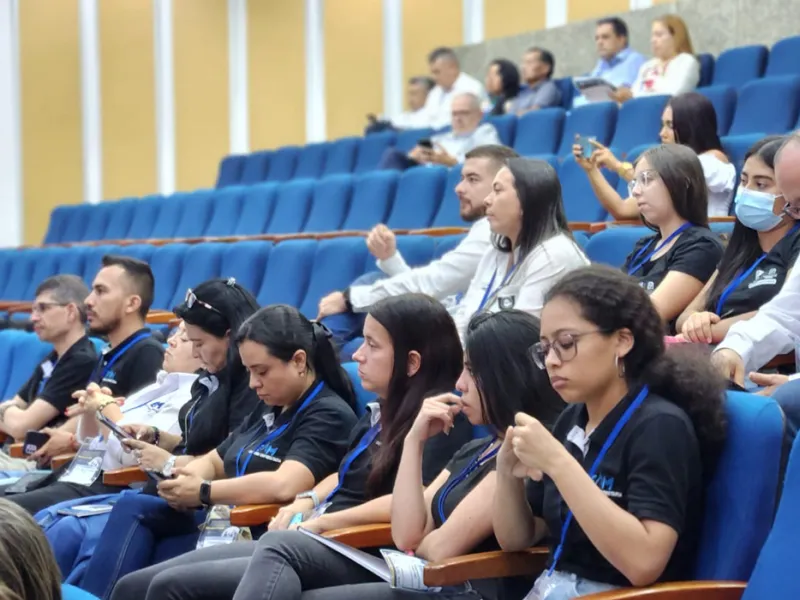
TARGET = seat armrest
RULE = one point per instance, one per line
(249, 515)
(580, 225)
(439, 231)
(485, 565)
(124, 477)
(678, 590)
(15, 450)
(781, 360)
(60, 460)
(161, 318)
(363, 536)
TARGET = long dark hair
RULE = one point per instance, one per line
(420, 323)
(743, 247)
(283, 330)
(499, 359)
(232, 305)
(682, 174)
(681, 373)
(539, 191)
(509, 75)
(694, 122)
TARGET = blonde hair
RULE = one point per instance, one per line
(680, 33)
(28, 569)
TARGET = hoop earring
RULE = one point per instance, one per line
(620, 366)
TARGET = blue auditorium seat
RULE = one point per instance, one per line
(20, 274)
(417, 250)
(419, 194)
(784, 58)
(341, 156)
(639, 122)
(58, 221)
(282, 163)
(737, 66)
(371, 149)
(407, 139)
(449, 213)
(8, 339)
(596, 120)
(373, 196)
(97, 221)
(706, 61)
(45, 264)
(288, 272)
(613, 245)
(258, 204)
(336, 263)
(169, 215)
(506, 126)
(195, 215)
(92, 261)
(722, 228)
(363, 397)
(567, 88)
(167, 265)
(767, 106)
(72, 260)
(145, 216)
(230, 170)
(723, 97)
(311, 161)
(580, 202)
(201, 262)
(292, 205)
(29, 351)
(226, 206)
(446, 243)
(75, 227)
(635, 153)
(581, 237)
(246, 262)
(539, 131)
(142, 252)
(119, 221)
(330, 203)
(256, 167)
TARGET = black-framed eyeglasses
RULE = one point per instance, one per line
(192, 299)
(565, 345)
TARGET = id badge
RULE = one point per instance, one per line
(85, 467)
(218, 530)
(542, 588)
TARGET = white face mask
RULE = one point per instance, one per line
(754, 209)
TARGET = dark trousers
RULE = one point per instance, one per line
(56, 492)
(396, 160)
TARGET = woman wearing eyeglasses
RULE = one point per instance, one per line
(618, 486)
(758, 258)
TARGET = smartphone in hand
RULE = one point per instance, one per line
(586, 145)
(34, 440)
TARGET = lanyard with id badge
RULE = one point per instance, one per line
(85, 468)
(101, 371)
(549, 582)
(217, 529)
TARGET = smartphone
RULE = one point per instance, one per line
(33, 441)
(425, 143)
(586, 145)
(115, 429)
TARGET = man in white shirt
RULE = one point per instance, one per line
(416, 93)
(450, 80)
(451, 274)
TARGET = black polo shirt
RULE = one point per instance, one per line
(127, 367)
(316, 437)
(764, 282)
(58, 377)
(653, 470)
(437, 453)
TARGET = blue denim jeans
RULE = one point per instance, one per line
(347, 326)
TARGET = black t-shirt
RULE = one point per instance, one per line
(129, 367)
(653, 470)
(696, 252)
(437, 453)
(317, 437)
(765, 281)
(56, 378)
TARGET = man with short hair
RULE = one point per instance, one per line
(58, 316)
(416, 94)
(537, 69)
(450, 81)
(441, 278)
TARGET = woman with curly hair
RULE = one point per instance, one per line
(619, 484)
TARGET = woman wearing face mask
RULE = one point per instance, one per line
(758, 259)
(688, 119)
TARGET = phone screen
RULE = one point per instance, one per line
(586, 146)
(33, 441)
(115, 429)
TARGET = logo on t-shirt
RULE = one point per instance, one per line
(647, 286)
(269, 454)
(110, 377)
(607, 485)
(765, 277)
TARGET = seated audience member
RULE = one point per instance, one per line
(58, 315)
(450, 148)
(673, 265)
(502, 85)
(673, 69)
(629, 457)
(538, 65)
(689, 120)
(453, 515)
(344, 311)
(532, 246)
(415, 117)
(758, 258)
(450, 82)
(154, 410)
(411, 352)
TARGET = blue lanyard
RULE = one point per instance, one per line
(101, 371)
(476, 462)
(271, 435)
(363, 444)
(596, 465)
(44, 379)
(488, 292)
(738, 281)
(635, 266)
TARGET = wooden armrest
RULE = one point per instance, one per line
(7, 304)
(364, 536)
(15, 450)
(248, 515)
(580, 225)
(161, 318)
(781, 361)
(439, 231)
(337, 234)
(61, 460)
(725, 219)
(22, 307)
(683, 590)
(124, 477)
(486, 565)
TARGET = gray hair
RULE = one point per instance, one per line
(792, 138)
(66, 289)
(474, 101)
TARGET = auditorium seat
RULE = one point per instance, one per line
(506, 126)
(145, 217)
(706, 61)
(73, 259)
(371, 203)
(27, 352)
(371, 149)
(784, 58)
(167, 265)
(639, 122)
(45, 264)
(723, 97)
(767, 106)
(256, 167)
(363, 397)
(119, 221)
(737, 66)
(336, 263)
(417, 250)
(92, 261)
(539, 131)
(419, 194)
(197, 208)
(289, 264)
(258, 204)
(613, 245)
(330, 203)
(341, 157)
(8, 338)
(292, 204)
(169, 214)
(446, 243)
(282, 163)
(226, 206)
(581, 237)
(75, 227)
(230, 170)
(567, 89)
(139, 251)
(19, 275)
(200, 262)
(59, 217)
(311, 161)
(246, 262)
(97, 221)
(449, 213)
(408, 138)
(580, 202)
(590, 120)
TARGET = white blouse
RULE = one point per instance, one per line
(720, 179)
(675, 76)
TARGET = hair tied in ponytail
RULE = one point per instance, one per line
(320, 331)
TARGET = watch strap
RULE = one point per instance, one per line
(205, 493)
(309, 494)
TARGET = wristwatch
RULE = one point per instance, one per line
(166, 470)
(309, 494)
(205, 493)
